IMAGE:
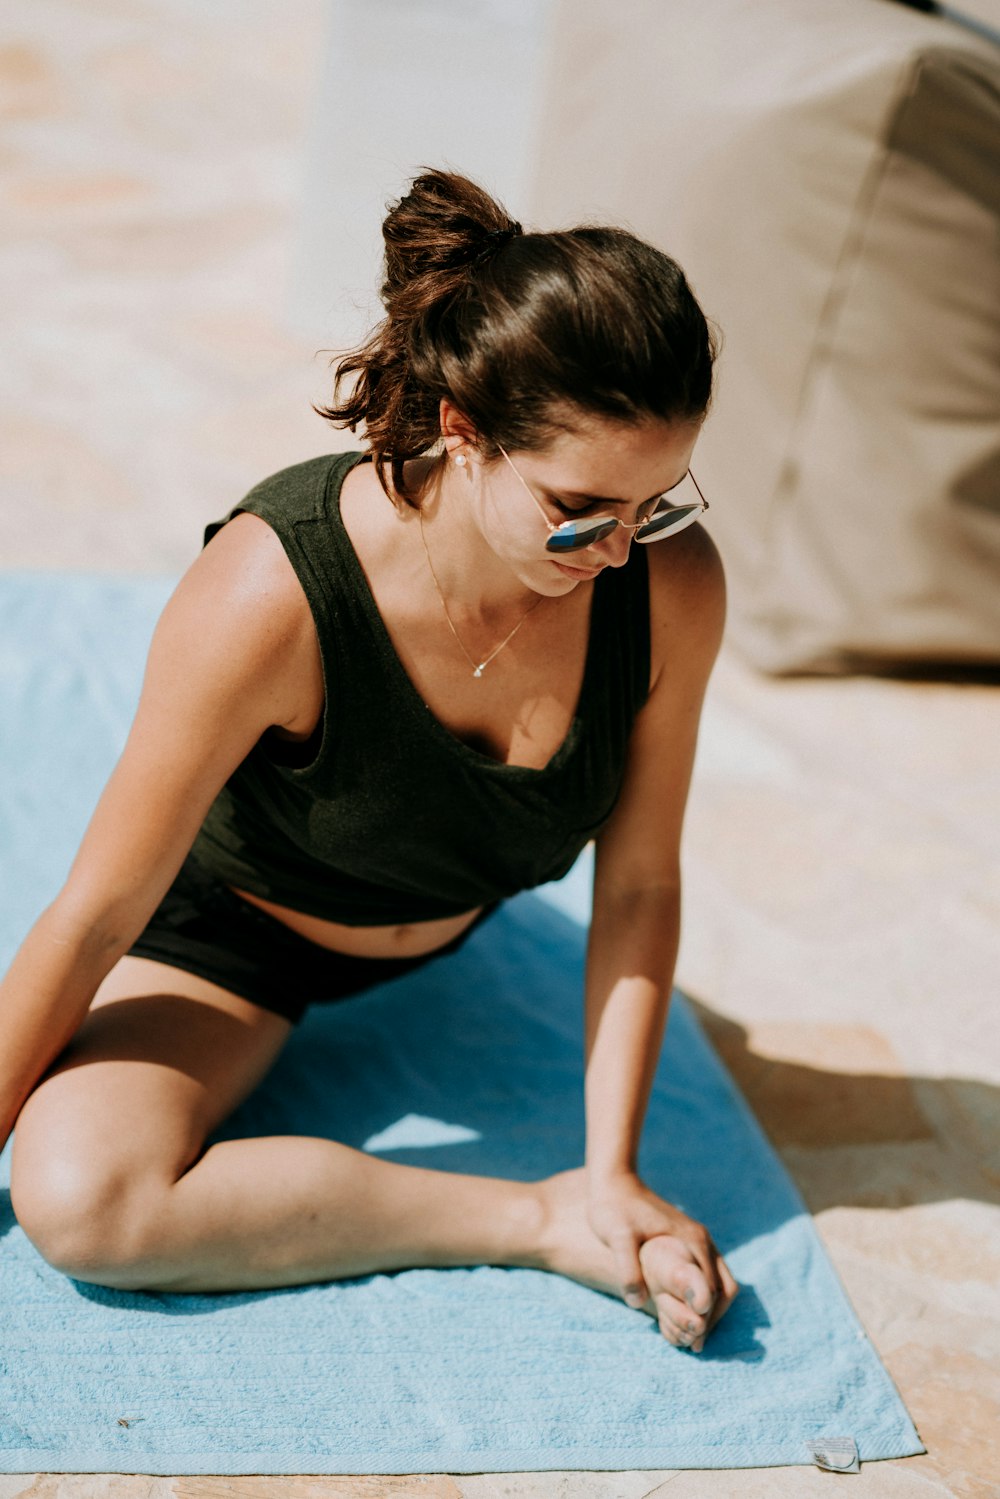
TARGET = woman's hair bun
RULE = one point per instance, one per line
(444, 223)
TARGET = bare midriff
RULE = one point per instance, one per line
(409, 940)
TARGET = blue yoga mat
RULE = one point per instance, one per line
(473, 1064)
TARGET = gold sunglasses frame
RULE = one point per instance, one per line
(604, 520)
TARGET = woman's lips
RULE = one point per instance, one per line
(579, 573)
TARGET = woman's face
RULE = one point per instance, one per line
(603, 468)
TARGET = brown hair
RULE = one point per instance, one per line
(520, 331)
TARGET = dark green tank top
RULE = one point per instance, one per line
(386, 817)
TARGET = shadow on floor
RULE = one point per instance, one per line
(865, 1138)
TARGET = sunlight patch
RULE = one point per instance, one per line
(417, 1129)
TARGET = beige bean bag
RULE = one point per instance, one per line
(829, 177)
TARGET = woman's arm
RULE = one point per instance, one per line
(635, 926)
(226, 661)
(630, 961)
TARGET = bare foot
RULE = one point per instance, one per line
(676, 1283)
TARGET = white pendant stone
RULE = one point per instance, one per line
(478, 671)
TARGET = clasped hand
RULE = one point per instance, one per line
(664, 1259)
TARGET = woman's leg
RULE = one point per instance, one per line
(111, 1182)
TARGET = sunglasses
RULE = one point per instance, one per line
(665, 519)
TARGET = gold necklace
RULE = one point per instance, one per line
(477, 670)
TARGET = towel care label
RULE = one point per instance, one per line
(835, 1454)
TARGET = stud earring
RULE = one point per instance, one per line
(460, 461)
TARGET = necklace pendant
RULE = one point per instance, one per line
(479, 670)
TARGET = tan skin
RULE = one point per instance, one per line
(117, 1067)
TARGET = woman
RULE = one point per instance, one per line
(394, 688)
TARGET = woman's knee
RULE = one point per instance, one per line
(86, 1174)
(83, 1185)
(89, 1220)
(125, 1111)
(74, 1188)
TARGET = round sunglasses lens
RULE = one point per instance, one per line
(572, 535)
(668, 521)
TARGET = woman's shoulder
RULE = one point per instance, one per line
(300, 492)
(687, 598)
(249, 577)
(261, 556)
(244, 578)
(239, 613)
(689, 560)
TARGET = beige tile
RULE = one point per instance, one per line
(94, 1486)
(887, 1176)
(955, 1402)
(950, 1244)
(965, 1113)
(407, 1486)
(43, 193)
(908, 1478)
(237, 344)
(636, 1484)
(179, 244)
(820, 1085)
(53, 469)
(29, 85)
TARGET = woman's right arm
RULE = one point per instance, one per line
(233, 653)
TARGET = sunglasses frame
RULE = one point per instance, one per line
(612, 521)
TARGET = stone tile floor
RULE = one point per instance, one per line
(842, 924)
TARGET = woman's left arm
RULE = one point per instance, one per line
(635, 926)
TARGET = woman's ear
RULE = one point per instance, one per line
(457, 433)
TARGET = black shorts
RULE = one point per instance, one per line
(205, 928)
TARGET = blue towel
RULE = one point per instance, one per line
(473, 1064)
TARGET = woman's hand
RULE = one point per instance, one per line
(663, 1256)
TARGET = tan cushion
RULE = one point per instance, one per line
(829, 177)
(981, 13)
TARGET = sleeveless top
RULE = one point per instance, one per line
(384, 817)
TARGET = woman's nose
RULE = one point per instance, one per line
(615, 548)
